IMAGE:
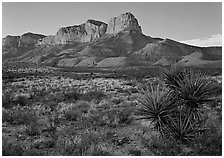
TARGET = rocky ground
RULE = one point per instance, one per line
(47, 112)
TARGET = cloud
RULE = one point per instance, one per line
(213, 40)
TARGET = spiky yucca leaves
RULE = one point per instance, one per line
(195, 90)
(182, 128)
(191, 87)
(173, 75)
(157, 104)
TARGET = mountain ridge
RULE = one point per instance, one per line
(95, 43)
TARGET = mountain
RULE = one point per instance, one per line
(94, 43)
(14, 46)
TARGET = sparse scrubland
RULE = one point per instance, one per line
(136, 111)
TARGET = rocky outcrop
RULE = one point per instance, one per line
(123, 22)
(29, 39)
(10, 41)
(50, 40)
(26, 40)
(86, 32)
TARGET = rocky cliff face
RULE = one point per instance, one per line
(86, 32)
(123, 22)
(50, 40)
(26, 40)
(10, 41)
(29, 39)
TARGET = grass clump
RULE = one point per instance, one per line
(76, 111)
(20, 115)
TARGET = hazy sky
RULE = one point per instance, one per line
(193, 23)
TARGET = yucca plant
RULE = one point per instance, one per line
(156, 105)
(181, 127)
(191, 87)
(173, 75)
(196, 90)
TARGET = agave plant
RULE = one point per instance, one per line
(157, 104)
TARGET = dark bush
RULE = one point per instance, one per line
(124, 116)
(72, 115)
(21, 116)
(208, 144)
(82, 106)
(72, 95)
(32, 129)
(7, 101)
(21, 100)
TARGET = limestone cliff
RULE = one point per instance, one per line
(26, 40)
(123, 22)
(86, 32)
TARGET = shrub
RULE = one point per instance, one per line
(75, 111)
(7, 101)
(96, 96)
(72, 115)
(33, 129)
(5, 115)
(73, 95)
(21, 100)
(208, 144)
(21, 116)
(124, 116)
(89, 140)
(83, 106)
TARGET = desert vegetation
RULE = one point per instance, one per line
(49, 112)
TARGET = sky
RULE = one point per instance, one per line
(196, 23)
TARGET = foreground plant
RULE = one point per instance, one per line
(175, 109)
(157, 105)
(182, 128)
(192, 88)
